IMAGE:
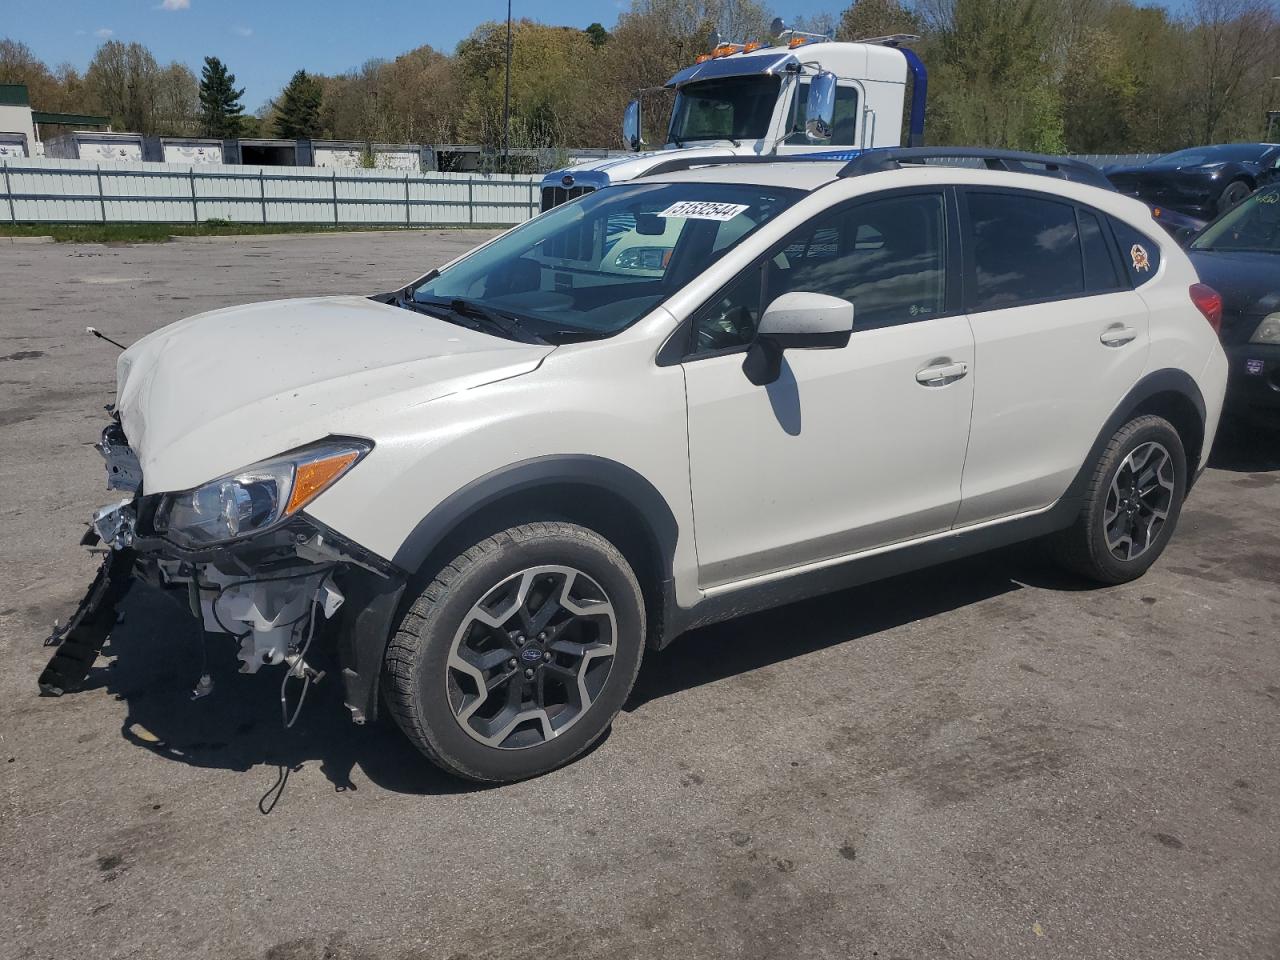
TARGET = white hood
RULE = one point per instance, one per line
(619, 169)
(221, 390)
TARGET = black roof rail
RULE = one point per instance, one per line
(1014, 161)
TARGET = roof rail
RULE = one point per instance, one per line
(1064, 168)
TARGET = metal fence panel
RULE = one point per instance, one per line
(61, 191)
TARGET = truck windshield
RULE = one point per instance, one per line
(727, 108)
(596, 265)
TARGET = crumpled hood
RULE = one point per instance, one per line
(221, 390)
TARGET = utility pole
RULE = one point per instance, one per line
(506, 102)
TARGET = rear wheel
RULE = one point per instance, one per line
(1236, 192)
(518, 655)
(1131, 505)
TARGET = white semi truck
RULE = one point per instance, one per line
(803, 95)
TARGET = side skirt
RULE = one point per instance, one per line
(728, 602)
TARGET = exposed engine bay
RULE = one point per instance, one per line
(271, 591)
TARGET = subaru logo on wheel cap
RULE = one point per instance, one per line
(530, 654)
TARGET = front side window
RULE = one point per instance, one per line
(727, 108)
(1253, 226)
(844, 119)
(1025, 249)
(887, 257)
(595, 265)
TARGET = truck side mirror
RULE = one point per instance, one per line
(631, 127)
(820, 109)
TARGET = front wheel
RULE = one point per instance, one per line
(1235, 193)
(519, 654)
(1131, 505)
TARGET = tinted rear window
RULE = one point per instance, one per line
(1139, 252)
(1025, 249)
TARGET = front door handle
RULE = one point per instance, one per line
(1118, 336)
(940, 373)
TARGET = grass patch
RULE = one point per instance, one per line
(160, 232)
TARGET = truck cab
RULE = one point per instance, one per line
(801, 96)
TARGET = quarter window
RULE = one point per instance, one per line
(1025, 250)
(1141, 254)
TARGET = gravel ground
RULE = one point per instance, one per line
(983, 760)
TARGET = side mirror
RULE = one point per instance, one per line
(820, 108)
(796, 321)
(631, 127)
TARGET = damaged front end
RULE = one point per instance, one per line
(245, 559)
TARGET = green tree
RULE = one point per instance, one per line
(298, 109)
(994, 76)
(876, 18)
(597, 34)
(221, 112)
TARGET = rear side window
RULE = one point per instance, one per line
(1025, 249)
(1141, 254)
(1100, 273)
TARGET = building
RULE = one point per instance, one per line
(20, 125)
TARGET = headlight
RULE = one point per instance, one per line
(255, 498)
(1268, 330)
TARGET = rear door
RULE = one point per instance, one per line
(1060, 337)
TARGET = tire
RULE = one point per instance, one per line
(479, 616)
(1234, 193)
(1094, 546)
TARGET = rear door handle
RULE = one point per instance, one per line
(1118, 336)
(940, 374)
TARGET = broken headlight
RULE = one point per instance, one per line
(256, 498)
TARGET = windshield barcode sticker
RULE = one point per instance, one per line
(703, 210)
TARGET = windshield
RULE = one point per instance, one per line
(599, 263)
(729, 108)
(1198, 156)
(1252, 226)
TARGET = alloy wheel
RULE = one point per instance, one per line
(531, 656)
(1139, 501)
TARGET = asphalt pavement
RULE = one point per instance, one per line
(988, 759)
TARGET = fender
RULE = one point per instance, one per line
(538, 472)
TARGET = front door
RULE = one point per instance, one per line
(851, 448)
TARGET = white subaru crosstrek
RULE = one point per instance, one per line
(672, 401)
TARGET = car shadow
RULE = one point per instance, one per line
(238, 726)
(1246, 446)
(739, 646)
(154, 660)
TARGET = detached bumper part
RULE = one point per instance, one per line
(84, 635)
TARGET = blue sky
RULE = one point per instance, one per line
(265, 41)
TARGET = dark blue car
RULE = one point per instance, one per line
(1239, 256)
(1201, 182)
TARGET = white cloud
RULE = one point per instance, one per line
(102, 33)
(175, 4)
(242, 31)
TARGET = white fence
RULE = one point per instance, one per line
(73, 191)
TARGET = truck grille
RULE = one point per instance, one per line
(554, 196)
